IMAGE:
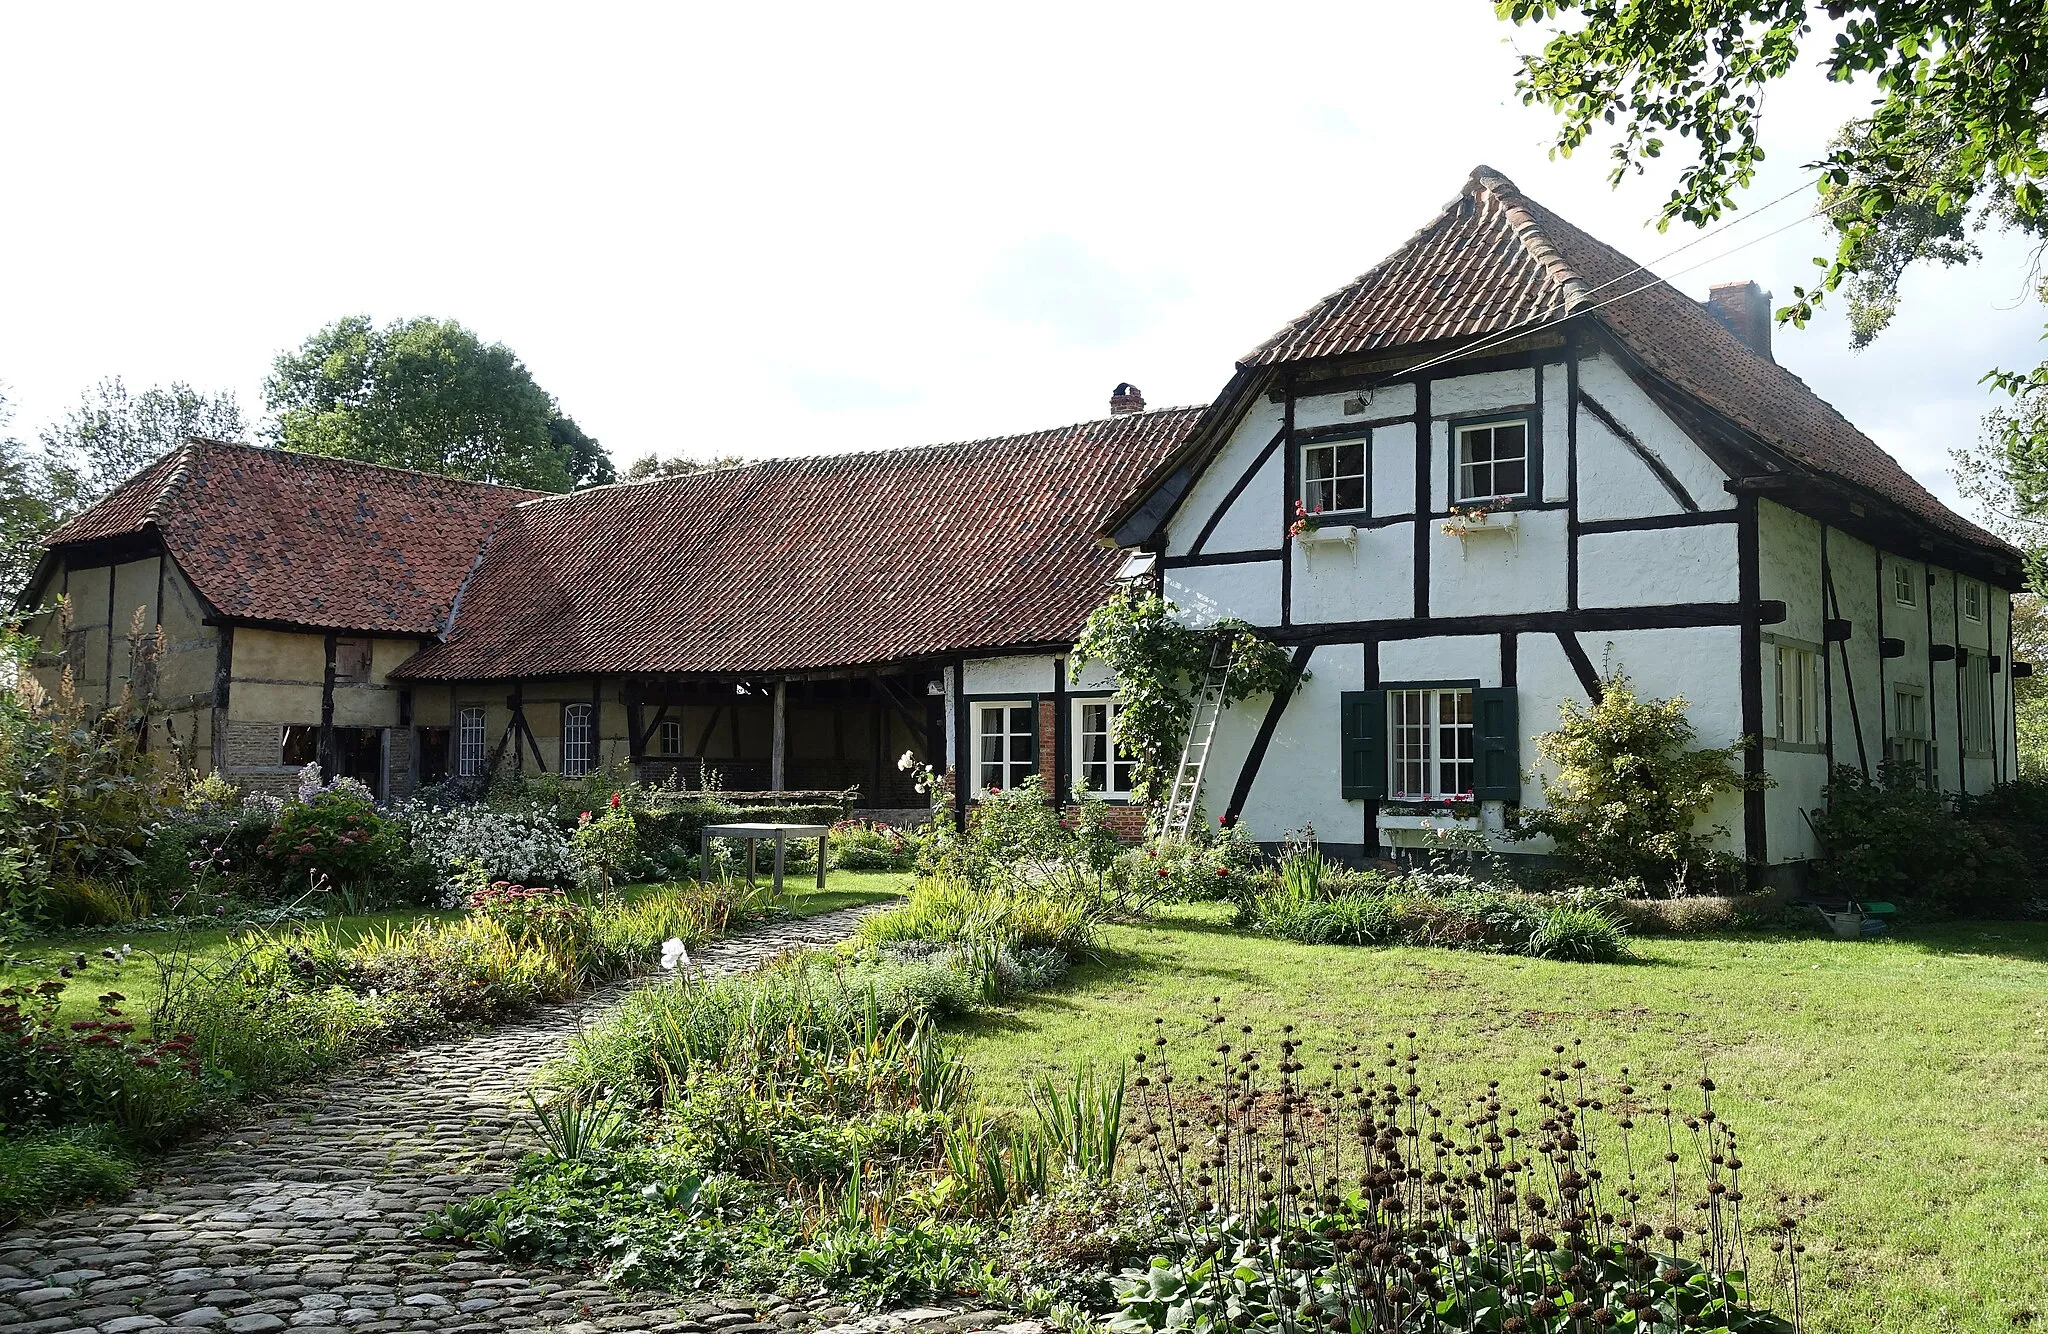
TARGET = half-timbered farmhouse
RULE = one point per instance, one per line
(1500, 463)
(1528, 461)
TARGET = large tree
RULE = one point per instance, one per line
(24, 512)
(112, 434)
(108, 437)
(1953, 142)
(427, 394)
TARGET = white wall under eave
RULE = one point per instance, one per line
(1669, 565)
(1613, 482)
(1788, 569)
(1253, 519)
(1488, 391)
(1394, 400)
(1206, 594)
(1373, 581)
(1393, 470)
(1490, 574)
(1016, 674)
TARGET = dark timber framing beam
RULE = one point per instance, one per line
(1658, 468)
(1242, 792)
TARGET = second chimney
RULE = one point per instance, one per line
(1125, 400)
(1744, 309)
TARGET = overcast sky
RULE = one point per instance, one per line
(793, 228)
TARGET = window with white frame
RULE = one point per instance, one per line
(1103, 767)
(1973, 602)
(1976, 687)
(1333, 476)
(469, 743)
(1006, 744)
(1909, 727)
(1797, 696)
(1429, 744)
(578, 744)
(1493, 461)
(1905, 586)
(669, 737)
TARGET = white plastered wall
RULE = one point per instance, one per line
(1613, 482)
(1252, 521)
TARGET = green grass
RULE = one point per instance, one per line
(1899, 1085)
(39, 958)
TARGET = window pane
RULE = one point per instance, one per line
(1350, 460)
(1350, 494)
(1510, 479)
(1511, 442)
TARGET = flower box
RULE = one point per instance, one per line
(1335, 533)
(1480, 524)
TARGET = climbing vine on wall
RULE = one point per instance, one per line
(1159, 664)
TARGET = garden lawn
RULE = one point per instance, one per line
(1900, 1086)
(39, 958)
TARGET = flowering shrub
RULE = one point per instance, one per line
(335, 832)
(534, 914)
(608, 844)
(523, 846)
(97, 1069)
(871, 845)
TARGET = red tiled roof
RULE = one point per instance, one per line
(807, 563)
(271, 535)
(1495, 261)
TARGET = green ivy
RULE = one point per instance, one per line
(1159, 663)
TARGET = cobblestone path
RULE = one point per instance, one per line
(300, 1216)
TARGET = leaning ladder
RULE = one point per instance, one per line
(1194, 756)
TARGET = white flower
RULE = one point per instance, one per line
(906, 762)
(673, 955)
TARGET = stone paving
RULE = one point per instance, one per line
(300, 1216)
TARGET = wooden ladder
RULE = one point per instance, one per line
(1194, 756)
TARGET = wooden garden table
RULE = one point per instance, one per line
(754, 834)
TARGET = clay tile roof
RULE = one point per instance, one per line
(331, 544)
(810, 563)
(1495, 261)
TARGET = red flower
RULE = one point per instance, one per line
(1223, 820)
(615, 801)
(1223, 870)
(1162, 871)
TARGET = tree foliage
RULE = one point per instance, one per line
(109, 436)
(112, 434)
(1630, 791)
(1159, 662)
(654, 468)
(1953, 141)
(427, 394)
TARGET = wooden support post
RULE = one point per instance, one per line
(776, 757)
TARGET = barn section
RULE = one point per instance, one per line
(286, 588)
(791, 624)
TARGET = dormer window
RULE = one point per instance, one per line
(1973, 602)
(1492, 461)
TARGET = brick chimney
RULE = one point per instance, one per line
(1744, 309)
(1126, 400)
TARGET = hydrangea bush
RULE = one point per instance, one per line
(524, 846)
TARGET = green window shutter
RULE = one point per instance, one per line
(1362, 727)
(1497, 742)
